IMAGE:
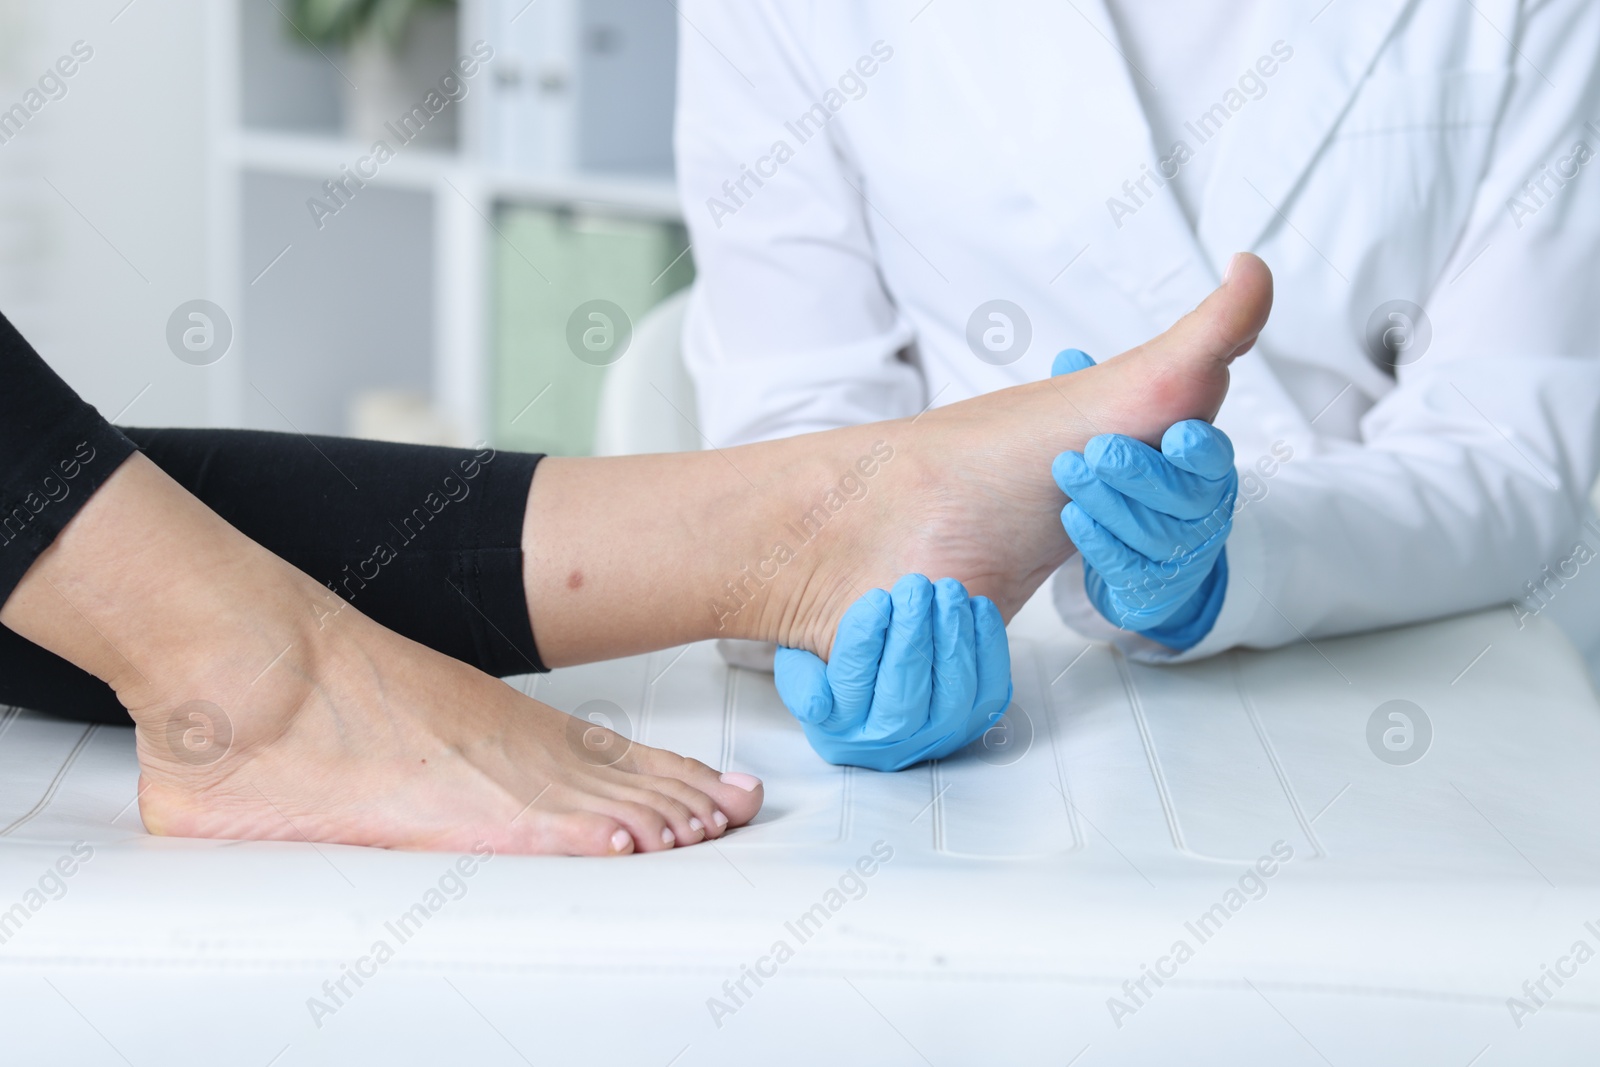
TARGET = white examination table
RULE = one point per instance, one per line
(1027, 884)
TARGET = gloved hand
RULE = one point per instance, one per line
(914, 675)
(1151, 525)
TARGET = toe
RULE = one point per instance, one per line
(1228, 321)
(650, 829)
(686, 825)
(701, 809)
(738, 796)
(577, 833)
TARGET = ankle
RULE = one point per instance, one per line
(271, 639)
(146, 587)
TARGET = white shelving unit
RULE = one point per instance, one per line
(429, 226)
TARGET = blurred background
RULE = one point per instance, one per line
(195, 229)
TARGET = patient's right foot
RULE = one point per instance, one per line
(969, 494)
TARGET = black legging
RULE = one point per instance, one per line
(426, 541)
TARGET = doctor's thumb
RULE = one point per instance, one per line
(1072, 359)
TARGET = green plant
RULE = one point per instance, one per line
(340, 22)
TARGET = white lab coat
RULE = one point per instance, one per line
(1385, 160)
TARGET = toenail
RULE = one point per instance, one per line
(620, 841)
(697, 826)
(668, 838)
(720, 819)
(747, 782)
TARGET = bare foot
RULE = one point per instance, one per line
(267, 708)
(969, 493)
(360, 736)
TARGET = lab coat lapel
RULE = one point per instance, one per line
(1049, 98)
(1259, 162)
(1075, 157)
(1142, 244)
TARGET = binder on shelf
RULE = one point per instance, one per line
(582, 86)
(551, 264)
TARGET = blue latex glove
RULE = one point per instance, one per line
(1151, 525)
(915, 675)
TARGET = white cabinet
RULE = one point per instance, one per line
(350, 270)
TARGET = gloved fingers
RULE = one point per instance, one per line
(1140, 472)
(802, 680)
(858, 647)
(904, 691)
(1134, 607)
(994, 669)
(1120, 565)
(923, 745)
(1070, 360)
(1071, 473)
(930, 747)
(994, 696)
(844, 753)
(1199, 448)
(937, 739)
(1149, 596)
(955, 657)
(1149, 532)
(1077, 478)
(1129, 589)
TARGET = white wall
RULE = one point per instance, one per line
(125, 147)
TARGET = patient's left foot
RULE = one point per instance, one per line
(267, 708)
(360, 736)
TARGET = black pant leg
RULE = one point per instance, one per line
(55, 451)
(426, 541)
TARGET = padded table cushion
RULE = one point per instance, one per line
(1020, 896)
